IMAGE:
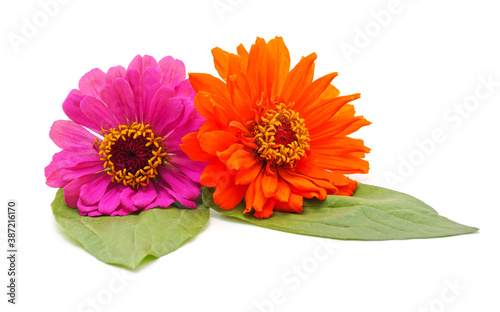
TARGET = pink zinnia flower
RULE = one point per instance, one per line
(134, 163)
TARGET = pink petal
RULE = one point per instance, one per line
(53, 179)
(120, 212)
(91, 82)
(71, 136)
(115, 72)
(190, 116)
(66, 159)
(133, 78)
(72, 190)
(80, 170)
(157, 103)
(192, 169)
(71, 108)
(163, 198)
(124, 90)
(144, 196)
(127, 205)
(141, 63)
(184, 89)
(173, 71)
(92, 192)
(69, 159)
(182, 186)
(113, 101)
(183, 201)
(95, 109)
(150, 83)
(190, 111)
(192, 125)
(111, 200)
(167, 116)
(86, 209)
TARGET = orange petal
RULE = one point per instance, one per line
(355, 126)
(225, 155)
(345, 113)
(348, 190)
(239, 159)
(321, 112)
(270, 66)
(294, 204)
(267, 210)
(342, 164)
(227, 195)
(257, 70)
(221, 62)
(301, 185)
(213, 173)
(235, 68)
(269, 184)
(279, 52)
(358, 154)
(347, 110)
(207, 126)
(329, 93)
(339, 145)
(313, 91)
(258, 200)
(242, 104)
(319, 182)
(203, 104)
(212, 106)
(217, 141)
(208, 83)
(191, 146)
(308, 168)
(297, 79)
(337, 127)
(248, 174)
(283, 191)
(309, 76)
(243, 53)
(225, 114)
(249, 197)
(243, 134)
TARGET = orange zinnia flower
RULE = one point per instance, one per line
(273, 136)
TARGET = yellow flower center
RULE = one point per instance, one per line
(132, 154)
(281, 136)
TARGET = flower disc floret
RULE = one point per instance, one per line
(132, 154)
(282, 137)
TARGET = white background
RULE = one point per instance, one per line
(414, 66)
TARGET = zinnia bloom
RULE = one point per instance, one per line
(273, 136)
(134, 161)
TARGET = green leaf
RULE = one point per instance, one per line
(127, 240)
(372, 213)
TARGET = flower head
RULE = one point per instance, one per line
(133, 162)
(273, 136)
